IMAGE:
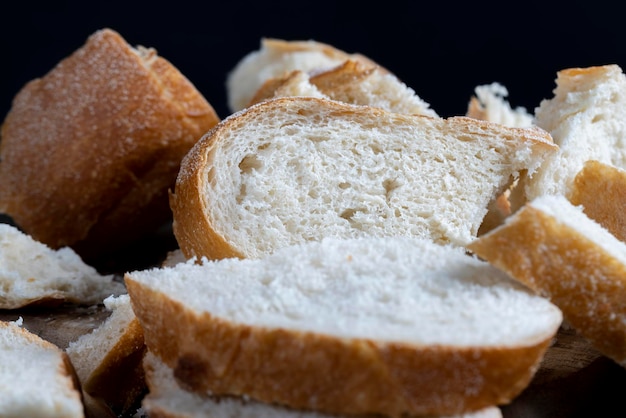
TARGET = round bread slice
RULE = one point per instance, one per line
(389, 325)
(294, 169)
(166, 399)
(90, 149)
(37, 379)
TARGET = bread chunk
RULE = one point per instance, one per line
(296, 169)
(90, 149)
(33, 274)
(37, 378)
(402, 326)
(552, 247)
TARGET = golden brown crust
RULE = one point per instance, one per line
(304, 370)
(119, 379)
(581, 278)
(601, 189)
(90, 149)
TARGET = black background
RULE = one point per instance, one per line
(440, 49)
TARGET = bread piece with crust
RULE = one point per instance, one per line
(37, 379)
(31, 273)
(587, 120)
(90, 149)
(108, 360)
(276, 58)
(490, 103)
(296, 169)
(167, 399)
(400, 325)
(552, 247)
(600, 189)
(351, 82)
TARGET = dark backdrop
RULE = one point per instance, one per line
(442, 50)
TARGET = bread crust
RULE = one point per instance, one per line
(310, 371)
(601, 190)
(195, 230)
(90, 149)
(577, 275)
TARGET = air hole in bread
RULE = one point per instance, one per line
(390, 185)
(250, 163)
(344, 185)
(598, 118)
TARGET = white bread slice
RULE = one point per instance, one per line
(386, 325)
(351, 82)
(552, 247)
(108, 360)
(490, 103)
(277, 58)
(600, 189)
(37, 379)
(587, 120)
(294, 169)
(90, 149)
(167, 399)
(31, 273)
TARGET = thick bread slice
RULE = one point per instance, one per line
(601, 190)
(295, 169)
(552, 247)
(375, 325)
(587, 120)
(89, 150)
(276, 58)
(351, 82)
(37, 379)
(167, 399)
(108, 360)
(31, 273)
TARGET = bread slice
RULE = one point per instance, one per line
(351, 82)
(586, 120)
(601, 191)
(90, 149)
(167, 399)
(276, 58)
(552, 247)
(390, 325)
(31, 273)
(295, 169)
(37, 379)
(108, 360)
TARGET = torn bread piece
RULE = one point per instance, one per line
(490, 103)
(351, 82)
(31, 273)
(37, 379)
(296, 169)
(276, 58)
(108, 360)
(402, 326)
(552, 247)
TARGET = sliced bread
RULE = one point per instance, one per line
(552, 247)
(31, 273)
(90, 149)
(390, 325)
(351, 82)
(37, 379)
(276, 58)
(167, 399)
(587, 120)
(108, 360)
(290, 170)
